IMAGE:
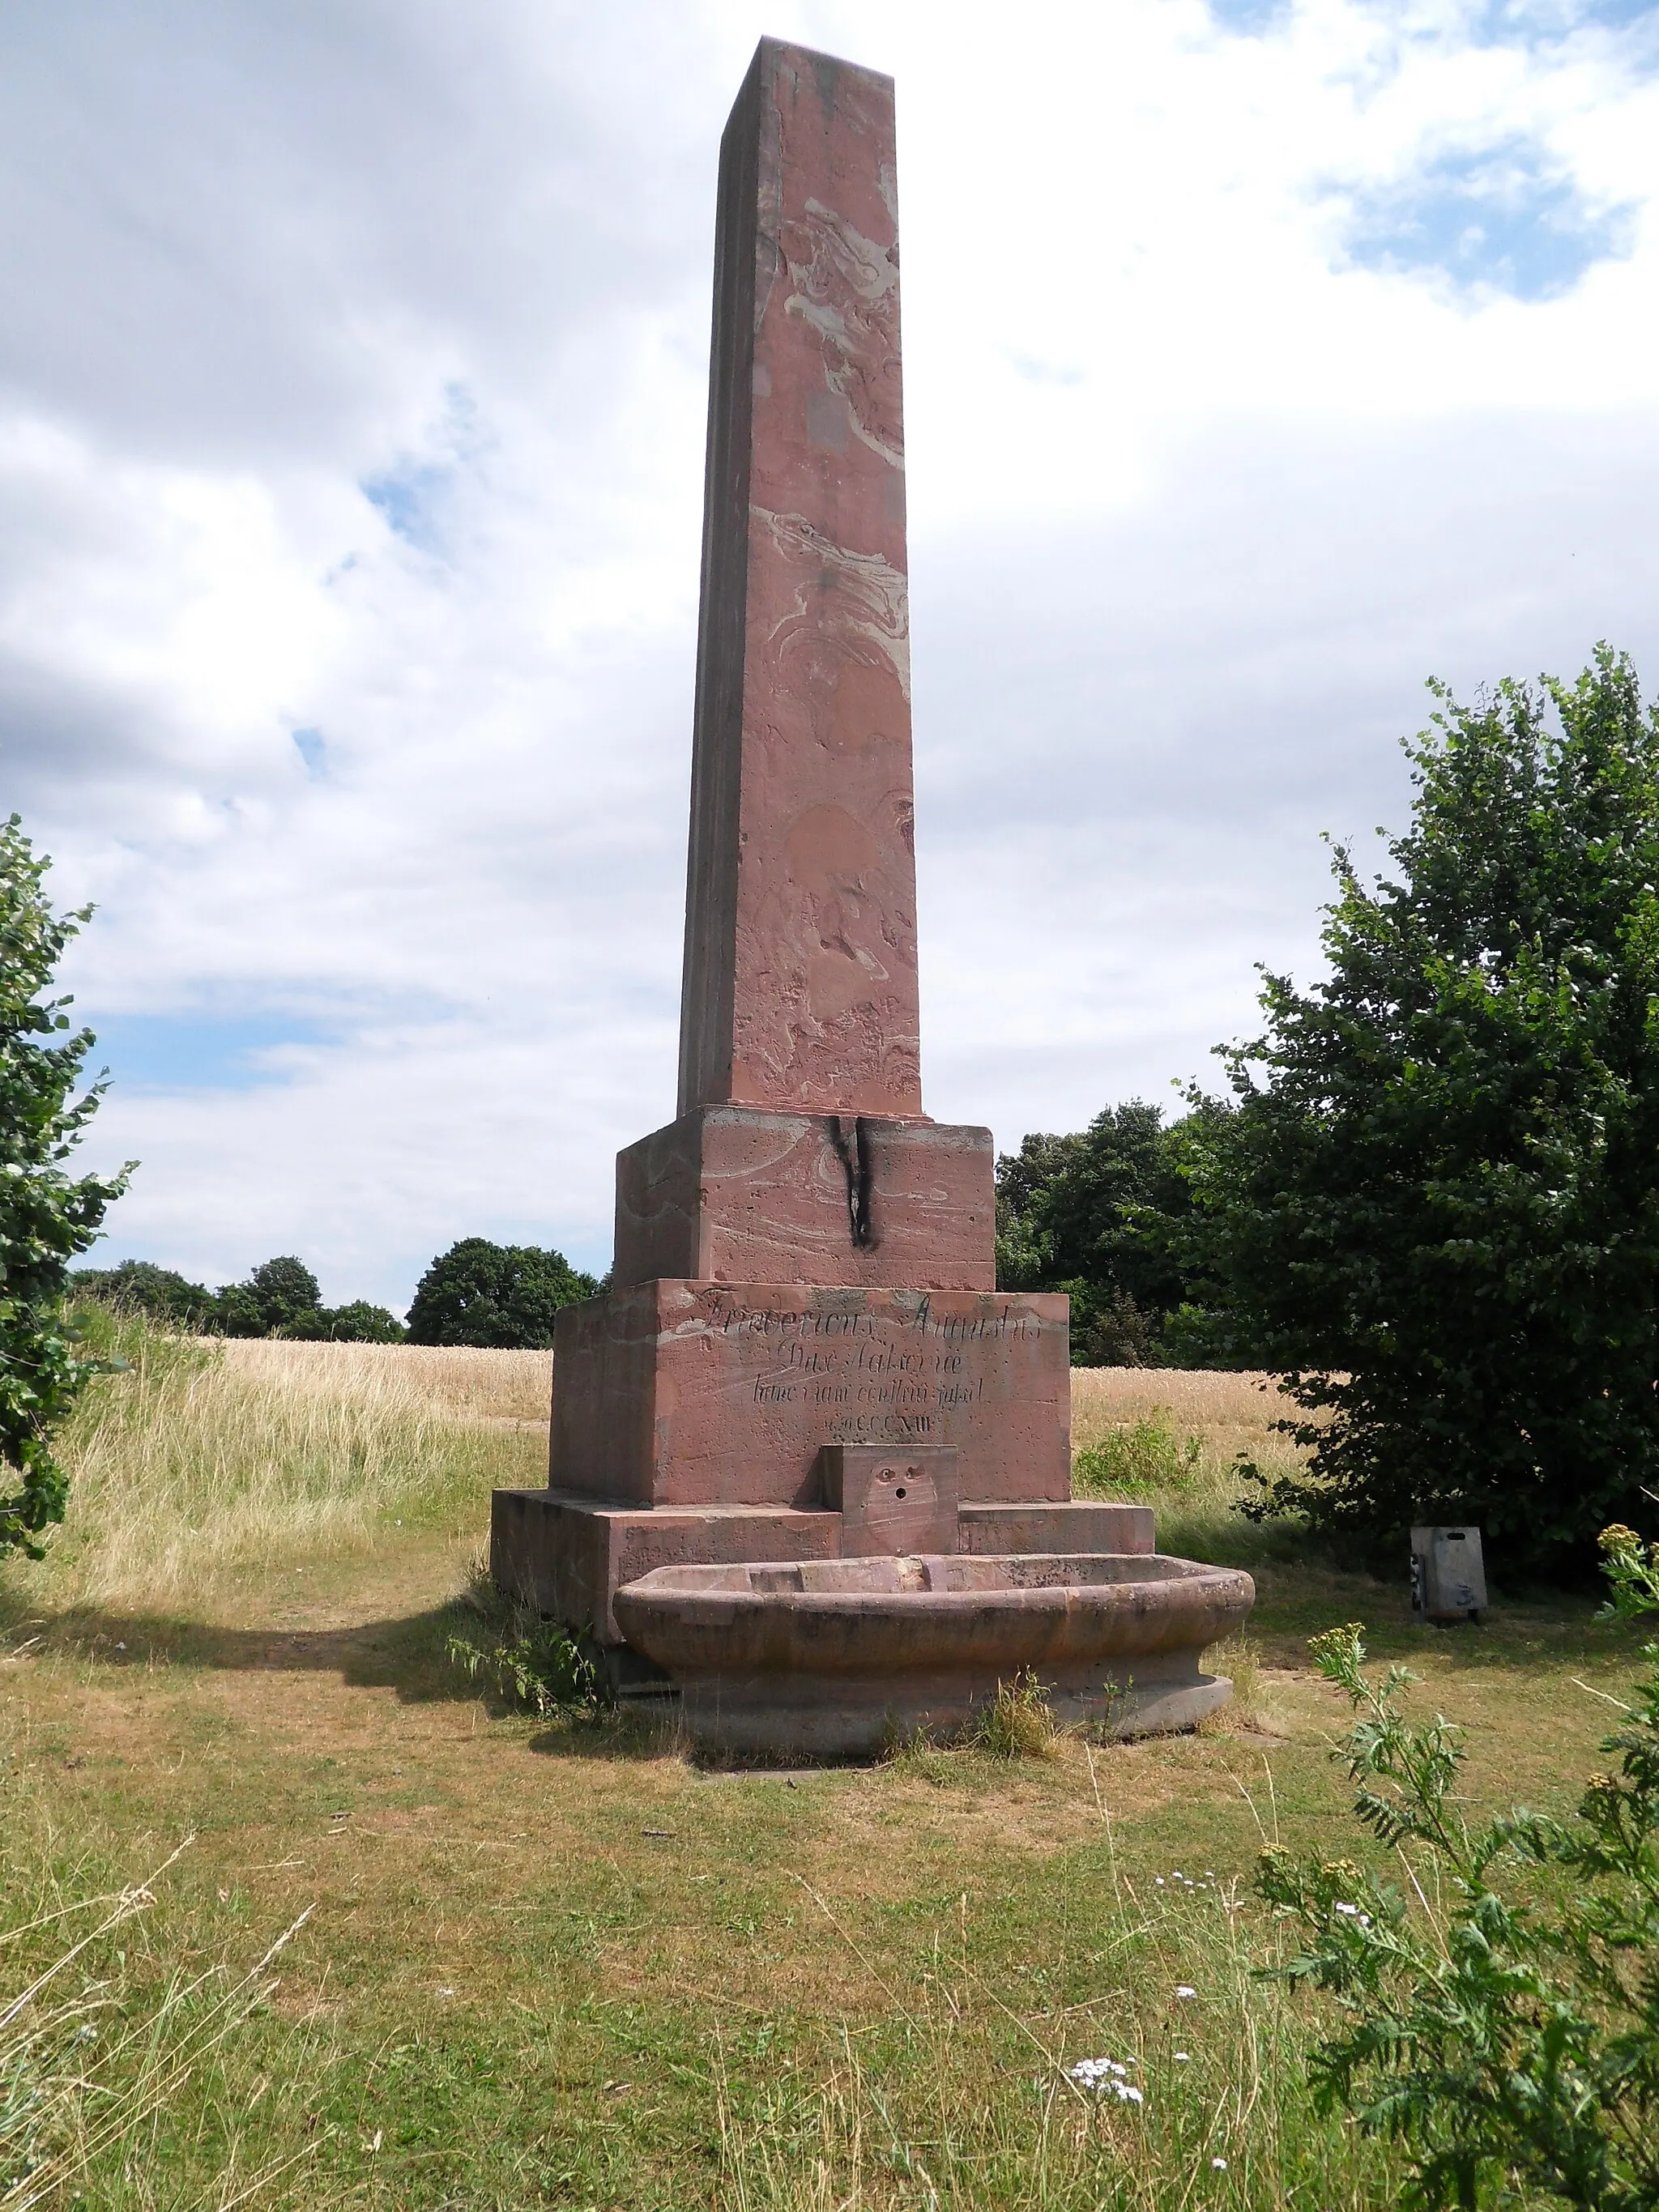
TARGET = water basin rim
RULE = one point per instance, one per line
(690, 1582)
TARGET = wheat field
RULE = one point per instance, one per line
(1231, 1413)
(452, 1382)
(203, 1460)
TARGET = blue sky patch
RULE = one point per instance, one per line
(191, 1051)
(1535, 23)
(1496, 217)
(1251, 17)
(1044, 372)
(411, 497)
(416, 496)
(312, 750)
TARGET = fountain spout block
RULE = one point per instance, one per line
(891, 1498)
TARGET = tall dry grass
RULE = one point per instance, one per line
(1230, 1413)
(204, 1460)
(450, 1383)
(96, 2056)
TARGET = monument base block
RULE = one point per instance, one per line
(1074, 1526)
(566, 1557)
(743, 1194)
(682, 1393)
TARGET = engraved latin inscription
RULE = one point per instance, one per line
(885, 1376)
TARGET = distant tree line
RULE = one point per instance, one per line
(476, 1293)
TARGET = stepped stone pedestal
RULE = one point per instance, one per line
(804, 1358)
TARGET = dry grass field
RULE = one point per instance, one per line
(210, 1461)
(559, 1963)
(448, 1383)
(1230, 1413)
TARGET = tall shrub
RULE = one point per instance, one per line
(47, 1216)
(1436, 1207)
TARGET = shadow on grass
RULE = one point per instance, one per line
(407, 1657)
(1306, 1583)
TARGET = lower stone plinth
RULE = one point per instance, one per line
(1084, 1525)
(566, 1557)
(739, 1194)
(695, 1394)
(804, 1717)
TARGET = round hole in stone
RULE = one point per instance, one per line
(899, 1492)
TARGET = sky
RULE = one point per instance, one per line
(1262, 359)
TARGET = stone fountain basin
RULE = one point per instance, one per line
(836, 1658)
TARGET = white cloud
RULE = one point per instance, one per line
(353, 387)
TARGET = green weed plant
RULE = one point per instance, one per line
(1501, 2011)
(1018, 1722)
(531, 1663)
(1136, 1459)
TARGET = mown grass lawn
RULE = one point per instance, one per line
(562, 1963)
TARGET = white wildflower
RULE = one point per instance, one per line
(1104, 2077)
(1182, 1990)
(1183, 2058)
(1219, 2164)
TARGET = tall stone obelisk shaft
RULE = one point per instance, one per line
(799, 988)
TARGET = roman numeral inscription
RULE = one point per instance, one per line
(723, 1395)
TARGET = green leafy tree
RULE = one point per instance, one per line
(1505, 2030)
(1437, 1205)
(277, 1294)
(1106, 1215)
(482, 1293)
(282, 1298)
(141, 1285)
(358, 1322)
(47, 1216)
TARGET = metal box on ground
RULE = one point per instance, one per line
(1449, 1576)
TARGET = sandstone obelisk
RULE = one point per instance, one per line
(805, 1276)
(800, 941)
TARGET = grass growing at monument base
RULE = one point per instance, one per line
(558, 1963)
